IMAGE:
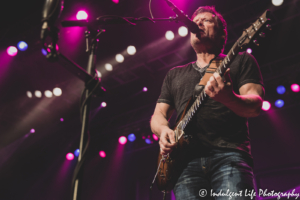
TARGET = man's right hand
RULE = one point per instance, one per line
(167, 141)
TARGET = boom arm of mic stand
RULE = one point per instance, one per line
(83, 75)
(117, 20)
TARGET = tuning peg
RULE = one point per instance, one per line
(269, 26)
(255, 42)
(262, 34)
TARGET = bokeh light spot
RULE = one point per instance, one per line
(122, 140)
(12, 51)
(81, 15)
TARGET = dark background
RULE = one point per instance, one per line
(33, 166)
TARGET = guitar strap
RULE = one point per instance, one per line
(213, 66)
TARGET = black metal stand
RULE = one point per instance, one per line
(92, 82)
(91, 36)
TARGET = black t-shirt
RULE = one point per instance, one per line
(214, 123)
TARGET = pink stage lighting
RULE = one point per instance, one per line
(115, 1)
(122, 140)
(103, 104)
(155, 137)
(102, 154)
(295, 87)
(145, 89)
(81, 15)
(70, 156)
(12, 51)
(266, 105)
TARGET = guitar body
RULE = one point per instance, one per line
(171, 166)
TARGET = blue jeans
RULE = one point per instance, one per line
(220, 175)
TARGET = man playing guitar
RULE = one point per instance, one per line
(221, 161)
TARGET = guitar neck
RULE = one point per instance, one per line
(202, 97)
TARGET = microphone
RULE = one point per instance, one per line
(51, 12)
(192, 26)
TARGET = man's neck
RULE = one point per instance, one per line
(203, 59)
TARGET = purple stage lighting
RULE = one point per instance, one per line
(145, 89)
(279, 103)
(70, 156)
(103, 104)
(249, 50)
(148, 141)
(61, 119)
(266, 105)
(76, 152)
(122, 140)
(280, 89)
(115, 1)
(81, 15)
(295, 87)
(102, 154)
(12, 51)
(22, 46)
(32, 131)
(131, 137)
(44, 52)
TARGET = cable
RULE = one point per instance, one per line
(150, 9)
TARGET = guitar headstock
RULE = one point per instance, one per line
(255, 29)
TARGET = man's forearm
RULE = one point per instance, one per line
(248, 105)
(158, 122)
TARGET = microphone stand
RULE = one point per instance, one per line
(92, 82)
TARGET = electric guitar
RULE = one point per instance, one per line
(170, 166)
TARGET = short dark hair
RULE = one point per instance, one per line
(221, 23)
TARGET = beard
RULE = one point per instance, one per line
(205, 43)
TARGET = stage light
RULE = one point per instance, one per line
(48, 93)
(183, 31)
(279, 103)
(169, 35)
(103, 104)
(70, 156)
(12, 51)
(57, 91)
(145, 89)
(44, 52)
(131, 50)
(280, 89)
(61, 119)
(119, 58)
(277, 2)
(249, 50)
(295, 87)
(99, 74)
(266, 106)
(102, 154)
(22, 46)
(76, 152)
(38, 94)
(148, 141)
(81, 15)
(108, 67)
(115, 1)
(29, 94)
(32, 131)
(154, 137)
(131, 137)
(122, 140)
